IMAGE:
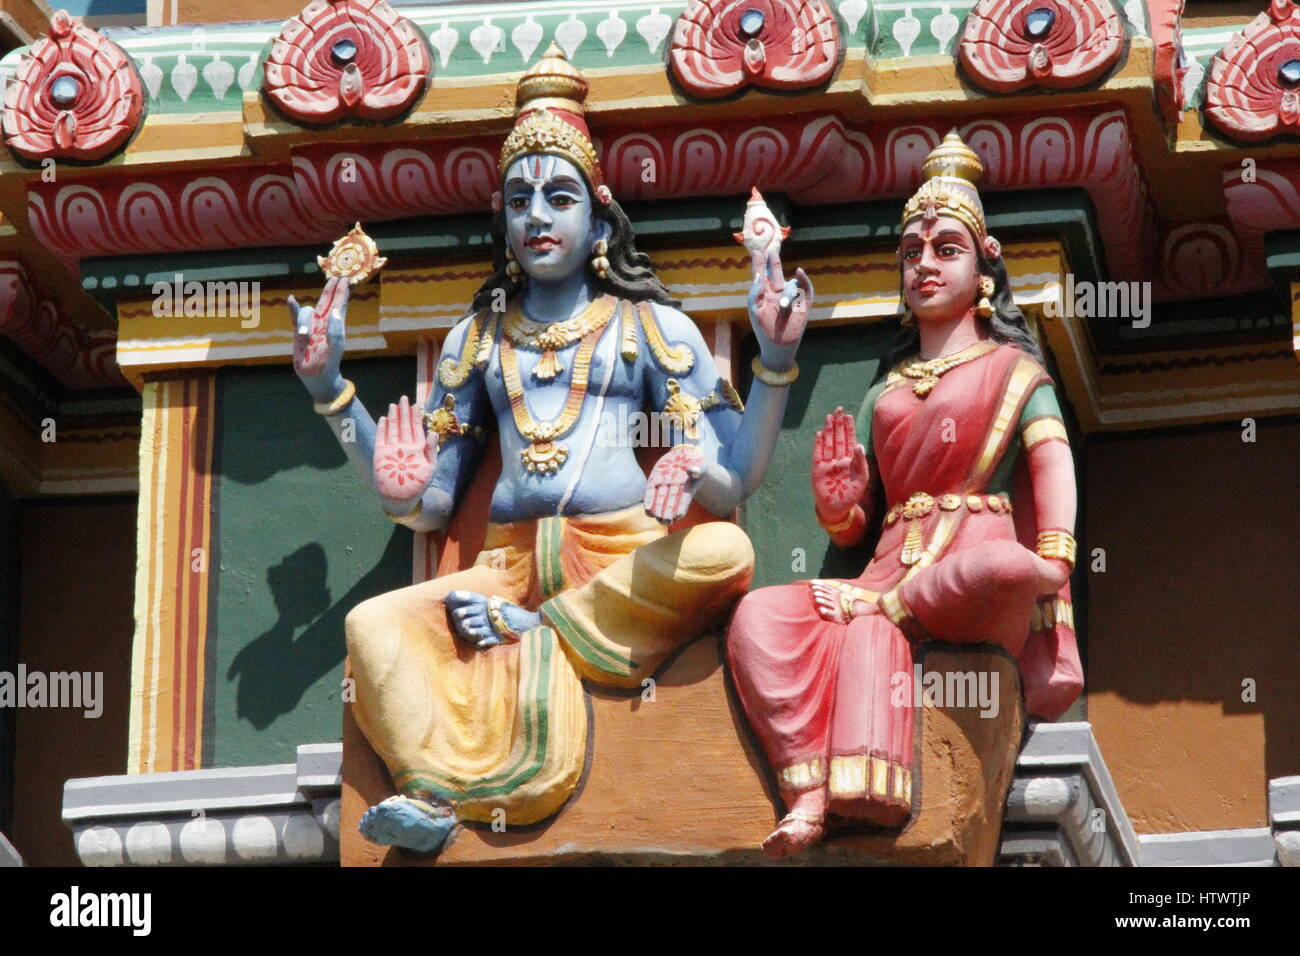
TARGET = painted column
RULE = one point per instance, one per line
(174, 540)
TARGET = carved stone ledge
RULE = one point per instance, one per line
(283, 813)
(1284, 815)
(1245, 847)
(1063, 809)
(680, 780)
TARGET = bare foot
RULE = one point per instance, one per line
(795, 834)
(840, 602)
(801, 828)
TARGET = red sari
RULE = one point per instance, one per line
(832, 703)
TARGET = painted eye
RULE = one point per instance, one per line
(562, 200)
(517, 202)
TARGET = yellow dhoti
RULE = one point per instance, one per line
(506, 728)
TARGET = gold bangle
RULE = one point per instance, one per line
(340, 402)
(415, 510)
(841, 526)
(498, 620)
(1057, 544)
(769, 377)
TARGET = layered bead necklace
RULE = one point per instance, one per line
(545, 455)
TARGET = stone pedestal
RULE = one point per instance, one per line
(681, 780)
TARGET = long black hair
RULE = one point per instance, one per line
(629, 276)
(1007, 325)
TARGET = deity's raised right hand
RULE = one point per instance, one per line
(404, 455)
(318, 340)
(839, 469)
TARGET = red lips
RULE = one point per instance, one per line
(542, 243)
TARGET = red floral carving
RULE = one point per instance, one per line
(720, 46)
(1170, 67)
(1250, 95)
(1005, 48)
(346, 58)
(75, 96)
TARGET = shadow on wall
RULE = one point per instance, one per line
(276, 668)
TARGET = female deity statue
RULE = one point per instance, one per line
(468, 686)
(963, 448)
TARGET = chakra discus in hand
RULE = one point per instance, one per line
(354, 257)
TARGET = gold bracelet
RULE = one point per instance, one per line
(498, 620)
(769, 377)
(841, 526)
(415, 510)
(340, 402)
(1057, 544)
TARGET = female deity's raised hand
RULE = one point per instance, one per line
(318, 339)
(404, 455)
(839, 467)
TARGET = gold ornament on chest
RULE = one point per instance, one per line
(544, 455)
(551, 338)
(925, 375)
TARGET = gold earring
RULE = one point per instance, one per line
(908, 320)
(599, 262)
(513, 269)
(984, 308)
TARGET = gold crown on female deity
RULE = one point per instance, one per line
(550, 116)
(951, 171)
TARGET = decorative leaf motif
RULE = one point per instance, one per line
(342, 59)
(486, 39)
(653, 27)
(526, 36)
(75, 96)
(570, 34)
(720, 46)
(184, 78)
(1253, 92)
(219, 75)
(1060, 44)
(611, 31)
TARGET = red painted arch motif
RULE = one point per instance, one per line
(76, 96)
(721, 46)
(346, 59)
(1061, 44)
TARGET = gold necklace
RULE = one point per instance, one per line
(545, 455)
(549, 338)
(926, 374)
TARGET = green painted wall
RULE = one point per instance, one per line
(837, 367)
(301, 542)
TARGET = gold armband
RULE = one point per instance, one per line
(340, 401)
(769, 377)
(840, 526)
(1057, 544)
(415, 510)
(498, 619)
(446, 424)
